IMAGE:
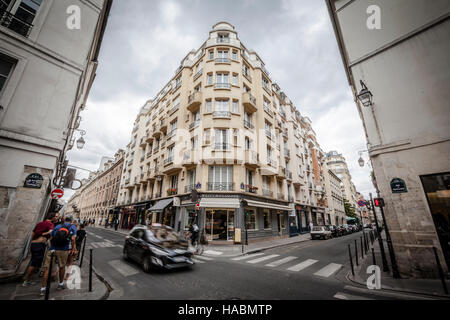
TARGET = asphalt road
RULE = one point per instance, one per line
(307, 270)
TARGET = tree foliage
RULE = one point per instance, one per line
(349, 209)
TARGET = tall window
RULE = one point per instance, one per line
(207, 136)
(221, 139)
(222, 78)
(235, 106)
(222, 108)
(248, 143)
(6, 66)
(250, 177)
(235, 55)
(208, 106)
(222, 54)
(191, 176)
(235, 79)
(211, 54)
(221, 178)
(245, 70)
(194, 143)
(210, 78)
(267, 219)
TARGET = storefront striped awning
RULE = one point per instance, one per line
(161, 204)
(252, 203)
(220, 203)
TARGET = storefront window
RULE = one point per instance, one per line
(189, 218)
(267, 219)
(219, 224)
(250, 216)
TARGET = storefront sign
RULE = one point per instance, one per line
(398, 186)
(57, 194)
(176, 202)
(33, 181)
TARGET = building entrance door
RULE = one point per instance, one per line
(437, 190)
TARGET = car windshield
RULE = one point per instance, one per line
(165, 234)
(317, 228)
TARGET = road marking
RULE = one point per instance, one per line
(120, 246)
(214, 253)
(197, 261)
(100, 237)
(94, 244)
(305, 264)
(263, 258)
(346, 296)
(123, 268)
(387, 294)
(281, 261)
(204, 258)
(247, 257)
(328, 270)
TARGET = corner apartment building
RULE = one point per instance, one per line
(337, 163)
(399, 74)
(98, 196)
(46, 72)
(222, 127)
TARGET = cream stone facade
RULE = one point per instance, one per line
(405, 66)
(335, 198)
(46, 71)
(222, 127)
(98, 196)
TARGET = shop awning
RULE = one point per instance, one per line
(161, 205)
(252, 203)
(220, 203)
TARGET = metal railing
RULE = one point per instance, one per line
(268, 134)
(248, 125)
(189, 188)
(14, 23)
(198, 74)
(222, 85)
(168, 161)
(223, 60)
(222, 114)
(194, 124)
(220, 186)
(221, 146)
(223, 40)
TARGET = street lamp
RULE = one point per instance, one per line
(365, 96)
(80, 141)
(361, 162)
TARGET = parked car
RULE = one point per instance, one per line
(334, 231)
(321, 232)
(347, 228)
(342, 230)
(157, 247)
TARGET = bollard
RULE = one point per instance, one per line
(440, 271)
(364, 239)
(49, 278)
(90, 270)
(356, 253)
(362, 248)
(366, 242)
(82, 253)
(373, 257)
(371, 237)
(351, 260)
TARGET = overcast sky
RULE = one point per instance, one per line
(146, 40)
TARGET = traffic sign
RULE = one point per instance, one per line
(361, 203)
(197, 206)
(57, 194)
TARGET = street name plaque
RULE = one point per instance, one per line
(398, 186)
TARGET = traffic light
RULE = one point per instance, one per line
(378, 202)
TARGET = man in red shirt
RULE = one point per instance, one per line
(38, 244)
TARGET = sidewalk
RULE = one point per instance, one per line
(428, 287)
(15, 290)
(233, 250)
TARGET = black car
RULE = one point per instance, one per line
(157, 247)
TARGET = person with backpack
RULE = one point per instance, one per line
(39, 244)
(62, 237)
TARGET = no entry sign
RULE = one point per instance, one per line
(57, 194)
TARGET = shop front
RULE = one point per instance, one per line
(318, 216)
(302, 218)
(128, 218)
(163, 212)
(220, 218)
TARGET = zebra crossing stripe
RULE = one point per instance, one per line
(305, 264)
(197, 261)
(247, 257)
(281, 261)
(328, 270)
(204, 258)
(263, 258)
(123, 268)
(93, 244)
(346, 296)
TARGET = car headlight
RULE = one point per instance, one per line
(159, 252)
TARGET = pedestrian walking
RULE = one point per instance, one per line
(62, 237)
(39, 237)
(311, 225)
(116, 224)
(81, 234)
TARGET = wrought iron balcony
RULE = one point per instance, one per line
(223, 60)
(14, 23)
(223, 40)
(220, 186)
(168, 161)
(223, 86)
(189, 188)
(248, 125)
(221, 146)
(222, 114)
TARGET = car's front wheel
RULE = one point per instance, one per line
(125, 254)
(146, 264)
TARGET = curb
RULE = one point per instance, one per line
(108, 287)
(395, 290)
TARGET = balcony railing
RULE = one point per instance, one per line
(222, 86)
(267, 109)
(177, 85)
(223, 60)
(189, 188)
(198, 74)
(174, 109)
(289, 174)
(14, 23)
(221, 146)
(222, 114)
(268, 134)
(248, 125)
(223, 40)
(194, 124)
(220, 186)
(168, 161)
